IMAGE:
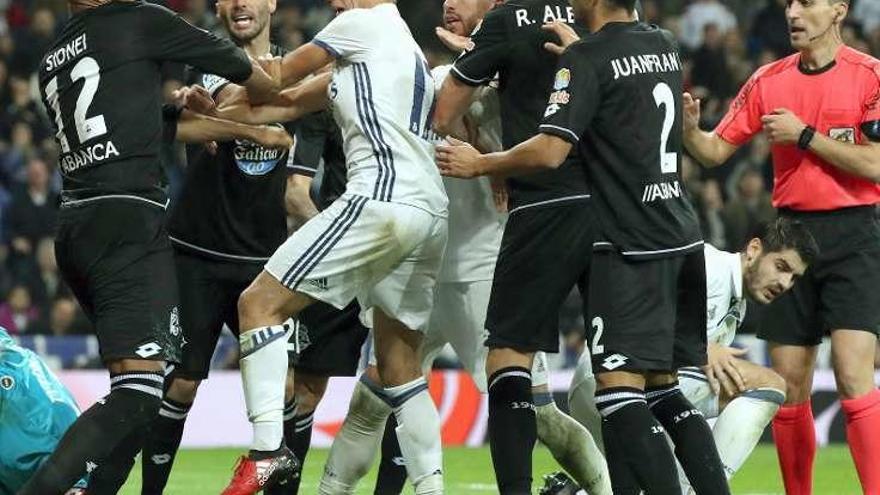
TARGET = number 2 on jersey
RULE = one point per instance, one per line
(664, 98)
(599, 327)
(87, 128)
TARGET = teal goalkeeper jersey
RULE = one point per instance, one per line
(35, 411)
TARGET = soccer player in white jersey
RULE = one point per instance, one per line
(742, 395)
(381, 242)
(461, 301)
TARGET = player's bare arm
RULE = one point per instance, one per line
(297, 201)
(707, 147)
(193, 127)
(541, 152)
(453, 101)
(863, 160)
(291, 104)
(261, 86)
(305, 60)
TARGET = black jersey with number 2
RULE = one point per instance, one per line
(617, 96)
(101, 85)
(509, 44)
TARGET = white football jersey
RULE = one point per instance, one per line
(382, 95)
(725, 301)
(475, 226)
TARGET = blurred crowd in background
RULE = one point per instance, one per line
(723, 42)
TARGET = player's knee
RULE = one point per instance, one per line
(853, 381)
(309, 391)
(183, 390)
(250, 304)
(772, 379)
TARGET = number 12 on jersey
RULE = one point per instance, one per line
(87, 128)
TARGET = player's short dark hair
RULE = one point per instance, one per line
(629, 5)
(786, 233)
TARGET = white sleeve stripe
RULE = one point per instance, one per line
(563, 129)
(470, 80)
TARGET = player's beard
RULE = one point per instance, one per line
(259, 24)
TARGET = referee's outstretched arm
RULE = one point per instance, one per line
(706, 147)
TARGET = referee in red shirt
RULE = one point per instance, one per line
(820, 109)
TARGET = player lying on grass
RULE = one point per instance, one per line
(743, 396)
(35, 411)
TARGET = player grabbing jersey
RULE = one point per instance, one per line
(742, 395)
(101, 85)
(381, 242)
(647, 282)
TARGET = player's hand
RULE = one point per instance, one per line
(564, 32)
(782, 126)
(458, 159)
(722, 369)
(499, 193)
(453, 41)
(195, 98)
(272, 137)
(691, 113)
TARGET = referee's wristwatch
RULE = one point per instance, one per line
(806, 137)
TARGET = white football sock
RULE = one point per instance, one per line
(418, 433)
(356, 444)
(574, 449)
(263, 374)
(582, 404)
(741, 424)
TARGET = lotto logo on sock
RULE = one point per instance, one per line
(160, 459)
(91, 466)
(399, 461)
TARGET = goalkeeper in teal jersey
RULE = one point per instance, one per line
(35, 411)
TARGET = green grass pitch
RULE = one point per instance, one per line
(469, 471)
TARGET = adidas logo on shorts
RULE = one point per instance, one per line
(319, 283)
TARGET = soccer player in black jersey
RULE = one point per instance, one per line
(548, 238)
(100, 82)
(616, 101)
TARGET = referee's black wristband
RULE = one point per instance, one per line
(806, 137)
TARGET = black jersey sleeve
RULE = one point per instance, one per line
(168, 37)
(170, 116)
(311, 137)
(574, 97)
(488, 51)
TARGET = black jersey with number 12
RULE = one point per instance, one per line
(617, 97)
(509, 45)
(101, 85)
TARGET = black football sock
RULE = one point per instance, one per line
(694, 443)
(622, 478)
(298, 437)
(161, 445)
(639, 443)
(112, 473)
(512, 429)
(392, 468)
(131, 405)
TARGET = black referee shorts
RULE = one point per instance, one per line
(209, 291)
(647, 315)
(335, 340)
(116, 257)
(545, 252)
(841, 289)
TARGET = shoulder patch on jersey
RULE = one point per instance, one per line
(7, 382)
(563, 79)
(843, 134)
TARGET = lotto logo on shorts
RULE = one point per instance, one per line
(148, 350)
(613, 362)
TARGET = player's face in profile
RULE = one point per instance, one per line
(810, 20)
(769, 275)
(245, 19)
(462, 16)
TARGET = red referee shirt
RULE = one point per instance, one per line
(836, 102)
